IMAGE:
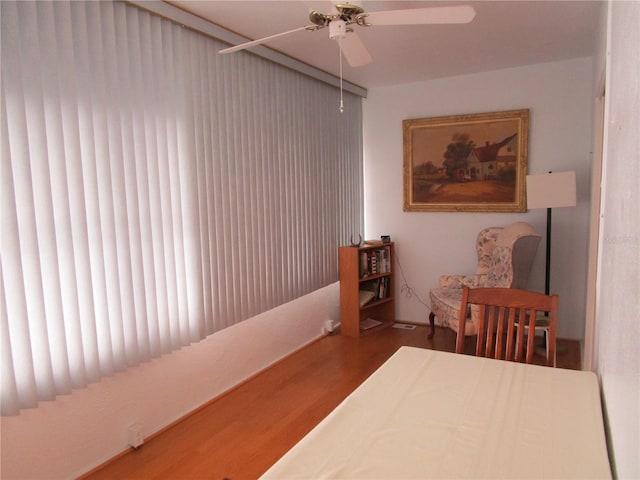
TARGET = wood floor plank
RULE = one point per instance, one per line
(241, 434)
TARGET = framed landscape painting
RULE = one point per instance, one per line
(466, 163)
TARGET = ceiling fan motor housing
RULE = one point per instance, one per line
(346, 12)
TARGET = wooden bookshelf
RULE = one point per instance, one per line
(368, 268)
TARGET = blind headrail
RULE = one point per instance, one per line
(205, 27)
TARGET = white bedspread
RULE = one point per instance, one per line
(429, 414)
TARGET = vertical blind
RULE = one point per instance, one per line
(154, 191)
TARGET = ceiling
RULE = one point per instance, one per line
(503, 34)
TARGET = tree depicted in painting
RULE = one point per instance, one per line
(456, 156)
(427, 168)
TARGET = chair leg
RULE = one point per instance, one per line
(546, 339)
(546, 342)
(432, 321)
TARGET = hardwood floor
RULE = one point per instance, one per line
(241, 434)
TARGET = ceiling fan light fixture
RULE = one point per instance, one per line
(337, 29)
(320, 19)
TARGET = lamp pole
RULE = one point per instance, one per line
(547, 277)
(549, 191)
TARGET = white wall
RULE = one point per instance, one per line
(618, 285)
(560, 98)
(75, 433)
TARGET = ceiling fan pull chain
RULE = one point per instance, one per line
(341, 102)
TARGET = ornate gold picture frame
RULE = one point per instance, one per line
(466, 163)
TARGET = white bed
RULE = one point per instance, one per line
(429, 414)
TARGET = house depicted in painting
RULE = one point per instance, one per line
(485, 162)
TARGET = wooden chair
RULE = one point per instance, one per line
(500, 313)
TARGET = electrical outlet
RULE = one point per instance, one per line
(135, 435)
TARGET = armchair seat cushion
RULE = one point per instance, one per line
(445, 305)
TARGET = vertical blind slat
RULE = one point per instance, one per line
(17, 390)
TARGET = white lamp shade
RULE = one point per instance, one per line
(551, 190)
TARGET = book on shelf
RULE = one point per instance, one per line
(378, 288)
(375, 261)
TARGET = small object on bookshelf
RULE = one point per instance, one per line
(385, 238)
(366, 285)
(365, 297)
(368, 323)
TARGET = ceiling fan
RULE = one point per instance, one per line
(348, 14)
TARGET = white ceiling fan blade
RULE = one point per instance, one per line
(354, 50)
(422, 16)
(253, 43)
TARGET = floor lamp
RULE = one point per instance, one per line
(550, 190)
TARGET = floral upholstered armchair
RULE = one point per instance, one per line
(505, 255)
